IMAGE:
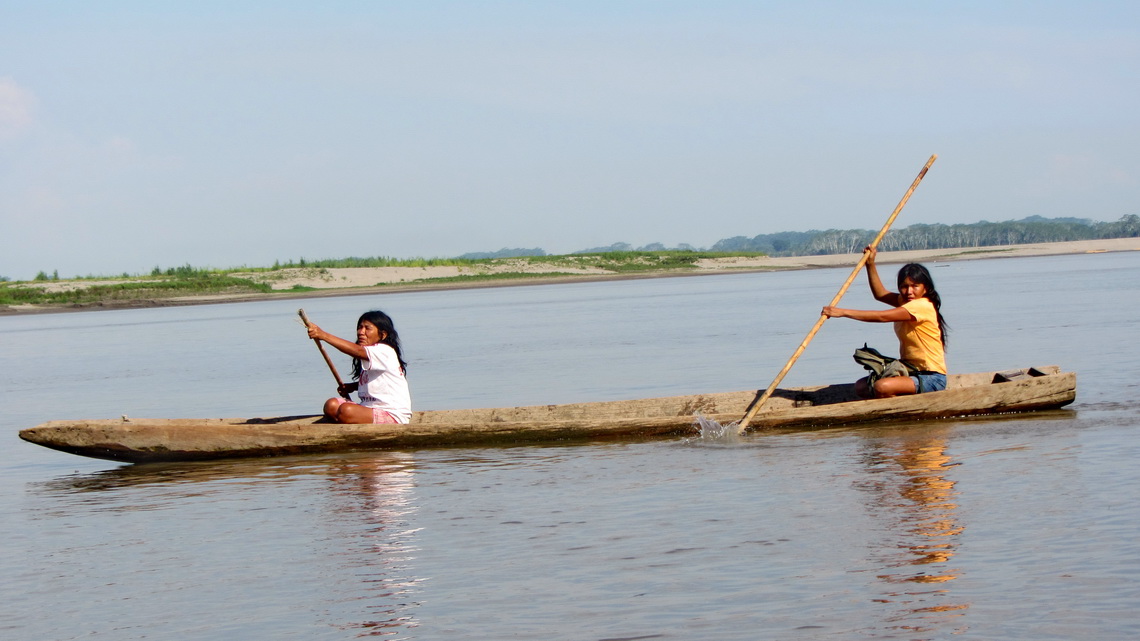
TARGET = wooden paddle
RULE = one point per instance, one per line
(760, 399)
(332, 368)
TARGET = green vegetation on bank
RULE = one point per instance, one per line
(354, 261)
(619, 258)
(633, 261)
(193, 281)
(468, 278)
(618, 261)
(123, 293)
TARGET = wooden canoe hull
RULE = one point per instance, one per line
(155, 440)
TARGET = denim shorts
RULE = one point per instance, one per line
(929, 382)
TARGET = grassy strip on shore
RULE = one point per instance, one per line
(149, 289)
(469, 278)
(634, 261)
(191, 281)
(463, 278)
(375, 261)
(615, 261)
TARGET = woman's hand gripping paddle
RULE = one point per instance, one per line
(760, 399)
(332, 368)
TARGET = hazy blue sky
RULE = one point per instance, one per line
(220, 134)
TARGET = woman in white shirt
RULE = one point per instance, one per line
(379, 370)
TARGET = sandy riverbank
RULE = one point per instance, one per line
(387, 277)
(373, 280)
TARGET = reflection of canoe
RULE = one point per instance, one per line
(147, 440)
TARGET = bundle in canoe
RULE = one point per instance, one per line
(155, 440)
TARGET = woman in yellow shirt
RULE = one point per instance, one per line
(921, 330)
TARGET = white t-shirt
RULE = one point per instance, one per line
(382, 383)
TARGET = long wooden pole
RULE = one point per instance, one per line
(328, 361)
(760, 399)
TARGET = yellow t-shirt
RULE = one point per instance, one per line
(920, 340)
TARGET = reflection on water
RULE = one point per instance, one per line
(912, 498)
(372, 507)
(605, 538)
(357, 518)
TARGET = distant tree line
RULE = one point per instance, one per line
(1034, 229)
(626, 247)
(505, 252)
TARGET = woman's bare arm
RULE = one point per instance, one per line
(345, 346)
(880, 292)
(869, 316)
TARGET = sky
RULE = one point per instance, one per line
(147, 134)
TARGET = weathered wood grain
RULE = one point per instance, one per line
(153, 440)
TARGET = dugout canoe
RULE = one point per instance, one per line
(156, 440)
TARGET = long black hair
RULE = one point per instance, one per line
(383, 322)
(919, 274)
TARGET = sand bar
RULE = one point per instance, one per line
(413, 277)
(374, 280)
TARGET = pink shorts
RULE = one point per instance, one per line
(381, 416)
(378, 415)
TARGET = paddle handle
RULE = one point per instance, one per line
(760, 399)
(328, 361)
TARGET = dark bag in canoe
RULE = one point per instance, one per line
(880, 366)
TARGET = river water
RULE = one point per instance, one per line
(1020, 527)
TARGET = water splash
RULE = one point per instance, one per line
(714, 432)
